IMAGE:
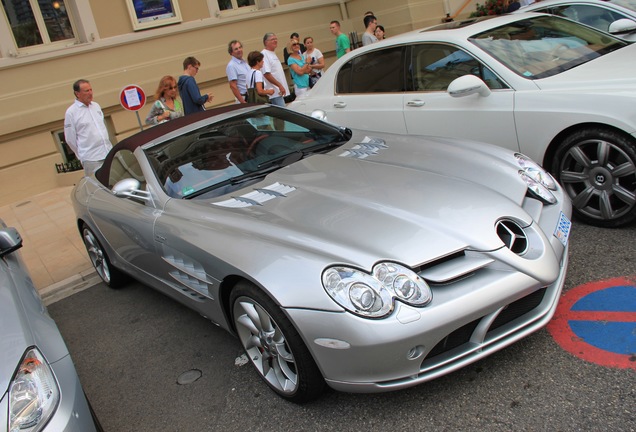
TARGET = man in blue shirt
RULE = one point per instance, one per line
(237, 71)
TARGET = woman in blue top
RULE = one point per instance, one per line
(299, 69)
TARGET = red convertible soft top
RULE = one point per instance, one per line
(143, 137)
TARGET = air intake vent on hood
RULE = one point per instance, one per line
(513, 236)
(366, 147)
(257, 196)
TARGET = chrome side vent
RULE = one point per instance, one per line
(369, 146)
(257, 196)
(513, 236)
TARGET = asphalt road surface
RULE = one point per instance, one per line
(149, 364)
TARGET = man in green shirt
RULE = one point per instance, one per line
(342, 41)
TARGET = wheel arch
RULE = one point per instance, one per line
(550, 152)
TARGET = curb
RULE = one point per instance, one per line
(68, 287)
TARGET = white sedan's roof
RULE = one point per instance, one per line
(454, 32)
(627, 6)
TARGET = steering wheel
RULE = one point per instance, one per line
(252, 146)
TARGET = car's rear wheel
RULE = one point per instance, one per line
(96, 253)
(597, 168)
(274, 346)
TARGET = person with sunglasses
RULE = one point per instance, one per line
(299, 69)
(166, 106)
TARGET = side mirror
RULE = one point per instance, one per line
(467, 85)
(622, 26)
(130, 188)
(10, 240)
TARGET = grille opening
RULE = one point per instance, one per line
(518, 308)
(455, 339)
(462, 335)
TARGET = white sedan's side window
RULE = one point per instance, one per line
(435, 66)
(377, 71)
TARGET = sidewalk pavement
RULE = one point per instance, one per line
(52, 249)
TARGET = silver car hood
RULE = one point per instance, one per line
(369, 209)
(616, 68)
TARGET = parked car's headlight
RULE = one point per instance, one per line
(373, 295)
(540, 182)
(33, 394)
(535, 172)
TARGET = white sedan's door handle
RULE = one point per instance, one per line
(415, 103)
(339, 104)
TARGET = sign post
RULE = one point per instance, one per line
(133, 98)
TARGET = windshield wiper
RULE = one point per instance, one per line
(252, 175)
(282, 160)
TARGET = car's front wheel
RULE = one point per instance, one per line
(274, 346)
(96, 253)
(597, 168)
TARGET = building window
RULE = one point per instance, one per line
(63, 147)
(69, 160)
(38, 22)
(236, 4)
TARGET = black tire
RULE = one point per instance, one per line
(111, 276)
(597, 169)
(274, 346)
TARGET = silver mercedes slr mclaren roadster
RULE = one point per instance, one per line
(364, 261)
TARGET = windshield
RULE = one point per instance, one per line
(221, 157)
(544, 46)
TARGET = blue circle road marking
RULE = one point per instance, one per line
(597, 322)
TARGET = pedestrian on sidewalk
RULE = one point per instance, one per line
(85, 130)
(193, 100)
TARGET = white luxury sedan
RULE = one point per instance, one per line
(558, 91)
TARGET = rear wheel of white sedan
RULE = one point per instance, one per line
(274, 346)
(96, 253)
(597, 168)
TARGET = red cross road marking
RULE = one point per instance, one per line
(598, 339)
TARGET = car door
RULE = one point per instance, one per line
(127, 223)
(369, 92)
(430, 110)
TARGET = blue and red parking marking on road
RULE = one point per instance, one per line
(597, 322)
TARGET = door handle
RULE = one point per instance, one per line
(339, 104)
(415, 103)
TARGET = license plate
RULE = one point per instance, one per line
(562, 231)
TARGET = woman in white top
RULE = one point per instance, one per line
(314, 57)
(256, 59)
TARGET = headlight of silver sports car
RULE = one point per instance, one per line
(540, 182)
(374, 295)
(33, 394)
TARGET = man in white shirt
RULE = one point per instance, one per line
(85, 130)
(237, 71)
(273, 71)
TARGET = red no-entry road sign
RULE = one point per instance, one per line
(597, 322)
(132, 98)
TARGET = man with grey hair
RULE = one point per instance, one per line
(237, 71)
(273, 71)
(85, 130)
